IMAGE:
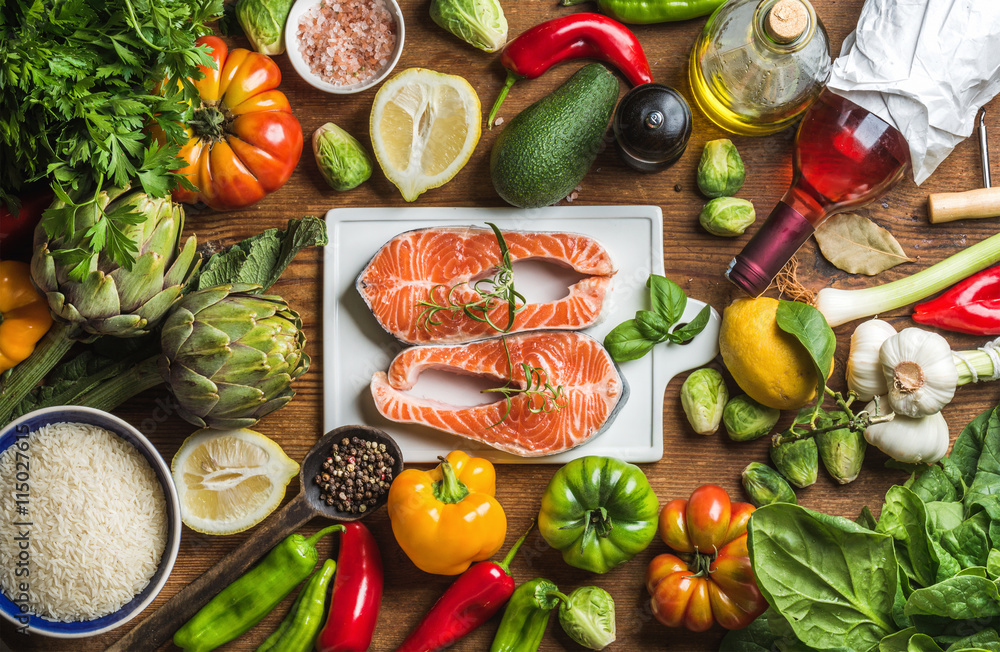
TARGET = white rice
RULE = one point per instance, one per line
(98, 522)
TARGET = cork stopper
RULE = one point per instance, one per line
(786, 21)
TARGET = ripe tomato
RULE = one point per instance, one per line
(244, 141)
(710, 580)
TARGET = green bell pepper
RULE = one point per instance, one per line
(599, 512)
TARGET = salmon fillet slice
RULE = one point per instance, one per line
(427, 263)
(593, 391)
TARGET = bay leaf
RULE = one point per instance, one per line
(857, 245)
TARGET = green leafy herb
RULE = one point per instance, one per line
(809, 327)
(77, 88)
(551, 398)
(491, 292)
(634, 338)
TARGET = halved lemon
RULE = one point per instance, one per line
(229, 480)
(424, 126)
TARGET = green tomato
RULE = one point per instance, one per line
(720, 171)
(599, 512)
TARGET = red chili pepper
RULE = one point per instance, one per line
(17, 231)
(357, 593)
(470, 601)
(971, 306)
(576, 36)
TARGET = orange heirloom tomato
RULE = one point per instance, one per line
(244, 141)
(710, 579)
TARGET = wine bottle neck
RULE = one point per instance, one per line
(769, 249)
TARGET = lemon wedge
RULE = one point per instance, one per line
(229, 480)
(424, 126)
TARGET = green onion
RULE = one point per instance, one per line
(842, 306)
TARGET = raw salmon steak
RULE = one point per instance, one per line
(591, 395)
(442, 265)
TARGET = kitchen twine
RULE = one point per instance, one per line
(990, 349)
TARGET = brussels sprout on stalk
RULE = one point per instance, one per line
(746, 419)
(263, 22)
(727, 217)
(842, 450)
(703, 397)
(341, 159)
(479, 23)
(720, 171)
(797, 460)
(764, 485)
(587, 616)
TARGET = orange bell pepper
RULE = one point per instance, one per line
(446, 518)
(24, 314)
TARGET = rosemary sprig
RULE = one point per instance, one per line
(490, 290)
(537, 386)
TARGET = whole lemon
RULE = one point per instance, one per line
(767, 363)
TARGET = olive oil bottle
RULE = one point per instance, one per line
(759, 64)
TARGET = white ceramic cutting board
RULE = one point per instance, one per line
(355, 346)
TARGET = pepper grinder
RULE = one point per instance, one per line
(652, 126)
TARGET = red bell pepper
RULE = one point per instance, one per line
(17, 231)
(357, 593)
(470, 601)
(971, 306)
(576, 36)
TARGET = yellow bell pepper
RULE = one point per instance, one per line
(24, 314)
(446, 518)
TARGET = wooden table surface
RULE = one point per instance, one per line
(692, 258)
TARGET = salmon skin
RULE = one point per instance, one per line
(592, 391)
(428, 264)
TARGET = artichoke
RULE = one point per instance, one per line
(229, 356)
(112, 300)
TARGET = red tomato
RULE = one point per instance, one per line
(711, 581)
(244, 141)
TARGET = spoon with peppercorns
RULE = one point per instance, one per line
(345, 476)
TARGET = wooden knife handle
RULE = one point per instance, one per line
(950, 206)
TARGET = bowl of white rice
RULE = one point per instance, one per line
(90, 523)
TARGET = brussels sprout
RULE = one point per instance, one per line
(263, 21)
(342, 160)
(797, 460)
(727, 216)
(703, 397)
(479, 23)
(841, 450)
(764, 485)
(720, 171)
(746, 419)
(587, 616)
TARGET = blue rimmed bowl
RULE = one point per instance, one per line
(75, 414)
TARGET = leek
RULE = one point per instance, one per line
(842, 306)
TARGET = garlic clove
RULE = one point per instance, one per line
(908, 439)
(919, 371)
(864, 370)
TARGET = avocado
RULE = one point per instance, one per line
(544, 153)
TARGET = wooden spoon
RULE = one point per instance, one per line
(161, 625)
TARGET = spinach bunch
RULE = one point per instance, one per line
(923, 577)
(77, 95)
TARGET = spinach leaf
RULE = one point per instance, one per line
(666, 298)
(922, 643)
(809, 327)
(969, 543)
(626, 342)
(943, 516)
(969, 445)
(866, 519)
(904, 518)
(948, 566)
(755, 637)
(932, 484)
(948, 607)
(993, 564)
(833, 580)
(987, 640)
(985, 486)
(897, 642)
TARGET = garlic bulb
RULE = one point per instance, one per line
(908, 439)
(920, 372)
(864, 370)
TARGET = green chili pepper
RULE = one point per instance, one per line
(308, 615)
(243, 604)
(270, 641)
(644, 12)
(526, 617)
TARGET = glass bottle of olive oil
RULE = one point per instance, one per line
(759, 64)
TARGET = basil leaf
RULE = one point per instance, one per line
(693, 327)
(904, 518)
(666, 297)
(810, 328)
(652, 325)
(954, 605)
(833, 580)
(626, 342)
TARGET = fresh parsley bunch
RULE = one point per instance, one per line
(77, 93)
